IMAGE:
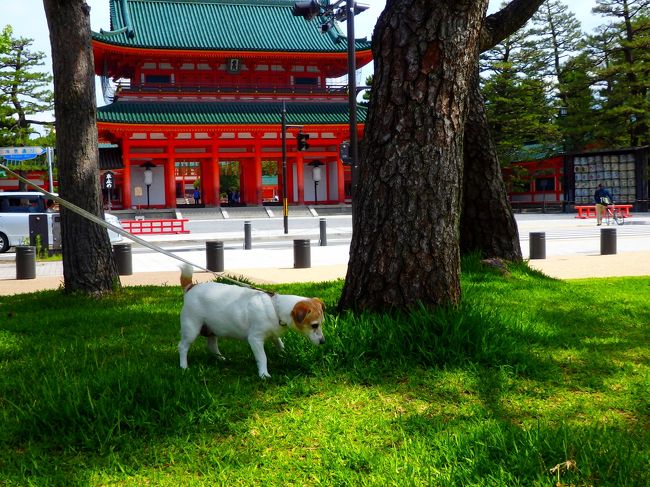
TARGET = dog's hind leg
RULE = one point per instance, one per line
(213, 346)
(257, 345)
(188, 335)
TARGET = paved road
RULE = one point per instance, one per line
(572, 251)
(564, 234)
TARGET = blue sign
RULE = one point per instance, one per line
(21, 153)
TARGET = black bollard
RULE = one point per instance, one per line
(123, 260)
(26, 262)
(301, 254)
(537, 245)
(247, 235)
(323, 232)
(214, 255)
(607, 241)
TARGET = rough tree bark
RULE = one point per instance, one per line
(404, 248)
(487, 222)
(87, 259)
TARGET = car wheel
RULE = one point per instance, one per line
(4, 243)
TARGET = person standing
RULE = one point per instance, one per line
(197, 196)
(603, 198)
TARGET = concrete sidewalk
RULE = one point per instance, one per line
(574, 266)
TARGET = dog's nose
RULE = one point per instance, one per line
(322, 341)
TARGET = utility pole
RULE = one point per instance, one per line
(285, 201)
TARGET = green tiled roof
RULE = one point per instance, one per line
(215, 25)
(225, 113)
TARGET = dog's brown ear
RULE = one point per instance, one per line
(321, 303)
(300, 311)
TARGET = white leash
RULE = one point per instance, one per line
(99, 221)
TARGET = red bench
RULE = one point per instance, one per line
(589, 211)
(151, 227)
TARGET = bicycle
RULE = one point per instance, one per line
(615, 214)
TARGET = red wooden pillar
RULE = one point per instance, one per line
(326, 180)
(212, 184)
(205, 176)
(244, 181)
(257, 181)
(251, 185)
(170, 181)
(340, 173)
(127, 200)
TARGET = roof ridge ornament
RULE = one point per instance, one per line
(128, 24)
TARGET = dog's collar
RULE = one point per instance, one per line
(277, 310)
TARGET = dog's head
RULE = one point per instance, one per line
(308, 316)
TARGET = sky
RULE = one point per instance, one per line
(27, 19)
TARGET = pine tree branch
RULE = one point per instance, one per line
(506, 21)
(40, 122)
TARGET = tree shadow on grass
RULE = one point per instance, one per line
(99, 379)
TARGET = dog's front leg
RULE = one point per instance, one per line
(278, 343)
(257, 345)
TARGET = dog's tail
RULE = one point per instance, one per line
(186, 277)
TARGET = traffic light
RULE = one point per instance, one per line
(307, 9)
(302, 141)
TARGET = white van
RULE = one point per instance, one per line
(22, 212)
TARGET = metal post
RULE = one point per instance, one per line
(50, 155)
(607, 241)
(214, 255)
(123, 260)
(352, 98)
(323, 232)
(537, 245)
(285, 203)
(26, 262)
(247, 235)
(301, 254)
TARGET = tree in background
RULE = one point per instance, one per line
(88, 264)
(24, 90)
(556, 35)
(487, 224)
(5, 111)
(520, 83)
(516, 97)
(621, 49)
(578, 115)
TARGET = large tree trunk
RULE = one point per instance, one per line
(487, 224)
(87, 260)
(404, 248)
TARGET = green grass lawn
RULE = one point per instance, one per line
(531, 381)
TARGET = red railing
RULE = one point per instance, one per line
(589, 211)
(153, 227)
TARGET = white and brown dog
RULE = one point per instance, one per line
(220, 310)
